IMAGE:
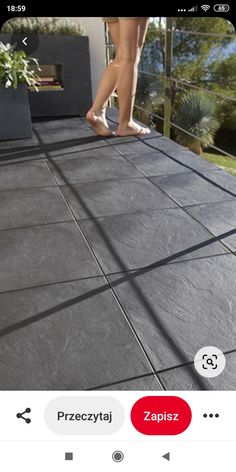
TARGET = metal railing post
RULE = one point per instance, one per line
(168, 75)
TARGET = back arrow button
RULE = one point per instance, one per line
(24, 41)
(167, 456)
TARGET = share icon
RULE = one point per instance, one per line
(21, 415)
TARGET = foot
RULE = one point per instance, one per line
(99, 123)
(133, 129)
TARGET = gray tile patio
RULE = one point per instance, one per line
(117, 262)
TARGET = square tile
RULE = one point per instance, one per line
(44, 254)
(178, 308)
(193, 161)
(17, 151)
(58, 137)
(139, 240)
(74, 337)
(136, 146)
(16, 145)
(156, 163)
(219, 218)
(26, 207)
(113, 197)
(190, 189)
(143, 383)
(225, 181)
(25, 175)
(92, 168)
(163, 144)
(52, 130)
(98, 152)
(185, 378)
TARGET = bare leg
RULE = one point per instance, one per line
(96, 116)
(132, 37)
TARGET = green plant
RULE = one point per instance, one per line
(37, 25)
(15, 67)
(196, 114)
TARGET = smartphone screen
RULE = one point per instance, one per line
(118, 240)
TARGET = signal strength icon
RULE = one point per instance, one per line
(205, 7)
(193, 8)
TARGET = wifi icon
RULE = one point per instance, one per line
(205, 7)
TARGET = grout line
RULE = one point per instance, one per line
(107, 274)
(25, 189)
(220, 241)
(144, 376)
(48, 223)
(107, 280)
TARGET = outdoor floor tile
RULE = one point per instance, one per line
(61, 128)
(156, 163)
(132, 147)
(25, 175)
(64, 136)
(85, 169)
(178, 308)
(146, 238)
(67, 343)
(113, 197)
(183, 378)
(44, 254)
(100, 151)
(144, 383)
(31, 207)
(16, 144)
(17, 151)
(163, 144)
(190, 189)
(218, 217)
(225, 180)
(192, 160)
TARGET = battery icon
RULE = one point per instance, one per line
(221, 8)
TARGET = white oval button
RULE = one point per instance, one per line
(84, 415)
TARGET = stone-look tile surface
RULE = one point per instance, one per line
(190, 188)
(184, 378)
(113, 197)
(144, 383)
(61, 128)
(75, 339)
(163, 144)
(100, 151)
(92, 168)
(64, 136)
(192, 160)
(24, 175)
(178, 308)
(16, 145)
(132, 147)
(219, 218)
(74, 335)
(33, 206)
(146, 238)
(225, 181)
(44, 254)
(156, 163)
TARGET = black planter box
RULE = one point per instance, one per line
(71, 55)
(15, 120)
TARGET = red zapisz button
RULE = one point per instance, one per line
(161, 415)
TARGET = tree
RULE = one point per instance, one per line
(195, 114)
(205, 61)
